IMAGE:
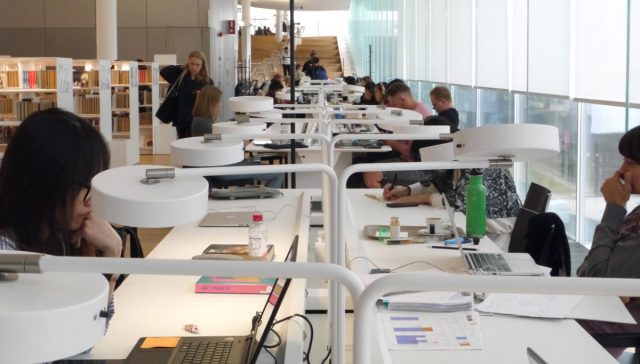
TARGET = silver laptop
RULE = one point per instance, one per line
(227, 219)
(509, 264)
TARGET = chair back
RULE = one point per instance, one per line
(547, 243)
(536, 202)
(537, 198)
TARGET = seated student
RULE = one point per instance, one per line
(502, 199)
(398, 95)
(274, 87)
(368, 98)
(380, 93)
(363, 81)
(45, 190)
(615, 250)
(349, 80)
(264, 88)
(205, 114)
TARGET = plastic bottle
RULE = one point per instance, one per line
(394, 227)
(476, 206)
(257, 236)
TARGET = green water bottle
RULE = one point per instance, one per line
(476, 206)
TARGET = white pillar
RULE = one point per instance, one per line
(279, 25)
(107, 29)
(245, 40)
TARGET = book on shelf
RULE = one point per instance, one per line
(234, 285)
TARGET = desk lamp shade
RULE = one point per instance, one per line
(250, 104)
(267, 115)
(518, 142)
(46, 317)
(233, 127)
(194, 152)
(119, 196)
(429, 131)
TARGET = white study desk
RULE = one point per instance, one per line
(153, 305)
(505, 338)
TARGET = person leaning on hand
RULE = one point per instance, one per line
(615, 250)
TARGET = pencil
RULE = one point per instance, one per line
(451, 247)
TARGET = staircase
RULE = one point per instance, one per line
(328, 52)
(265, 55)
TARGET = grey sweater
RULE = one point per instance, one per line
(200, 126)
(614, 254)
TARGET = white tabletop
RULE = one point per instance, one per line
(161, 305)
(505, 338)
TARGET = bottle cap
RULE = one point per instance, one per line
(257, 217)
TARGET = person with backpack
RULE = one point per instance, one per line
(317, 72)
(615, 250)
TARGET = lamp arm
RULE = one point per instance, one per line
(365, 307)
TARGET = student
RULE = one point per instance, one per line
(399, 95)
(45, 190)
(274, 87)
(285, 59)
(368, 98)
(306, 67)
(205, 114)
(502, 198)
(191, 77)
(443, 104)
(380, 93)
(615, 250)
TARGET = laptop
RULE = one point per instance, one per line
(227, 219)
(222, 349)
(503, 264)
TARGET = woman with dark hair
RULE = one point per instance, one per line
(190, 78)
(45, 189)
(615, 250)
(369, 98)
(274, 87)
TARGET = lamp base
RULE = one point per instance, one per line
(8, 277)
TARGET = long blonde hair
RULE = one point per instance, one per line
(203, 75)
(208, 102)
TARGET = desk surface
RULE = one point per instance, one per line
(149, 305)
(505, 338)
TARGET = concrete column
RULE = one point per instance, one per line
(279, 25)
(246, 40)
(223, 56)
(107, 29)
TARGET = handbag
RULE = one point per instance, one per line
(169, 107)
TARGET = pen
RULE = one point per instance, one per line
(451, 247)
(393, 184)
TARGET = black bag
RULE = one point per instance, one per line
(169, 107)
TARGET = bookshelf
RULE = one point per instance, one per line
(124, 113)
(92, 93)
(31, 84)
(149, 100)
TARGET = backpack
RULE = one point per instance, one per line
(319, 73)
(546, 242)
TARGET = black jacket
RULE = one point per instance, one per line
(187, 92)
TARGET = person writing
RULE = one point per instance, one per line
(45, 190)
(190, 78)
(615, 250)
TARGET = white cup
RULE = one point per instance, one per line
(434, 225)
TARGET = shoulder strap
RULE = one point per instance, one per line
(176, 85)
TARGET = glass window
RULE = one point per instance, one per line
(465, 101)
(559, 173)
(494, 107)
(602, 126)
(423, 96)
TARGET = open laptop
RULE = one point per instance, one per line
(227, 219)
(222, 349)
(504, 264)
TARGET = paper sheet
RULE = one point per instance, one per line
(531, 305)
(432, 331)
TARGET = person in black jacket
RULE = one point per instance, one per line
(191, 77)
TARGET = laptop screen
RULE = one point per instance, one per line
(271, 307)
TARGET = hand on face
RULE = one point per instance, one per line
(98, 233)
(617, 188)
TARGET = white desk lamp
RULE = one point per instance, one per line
(399, 282)
(485, 147)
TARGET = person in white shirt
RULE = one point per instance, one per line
(285, 59)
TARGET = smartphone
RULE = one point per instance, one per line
(402, 204)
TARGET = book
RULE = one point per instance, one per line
(234, 285)
(235, 252)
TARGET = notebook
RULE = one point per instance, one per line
(227, 219)
(220, 349)
(509, 264)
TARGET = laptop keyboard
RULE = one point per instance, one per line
(216, 352)
(487, 262)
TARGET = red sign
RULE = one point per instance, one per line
(231, 27)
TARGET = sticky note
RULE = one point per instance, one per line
(160, 342)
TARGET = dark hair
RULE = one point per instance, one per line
(274, 87)
(371, 87)
(629, 145)
(50, 158)
(349, 80)
(397, 88)
(395, 80)
(315, 60)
